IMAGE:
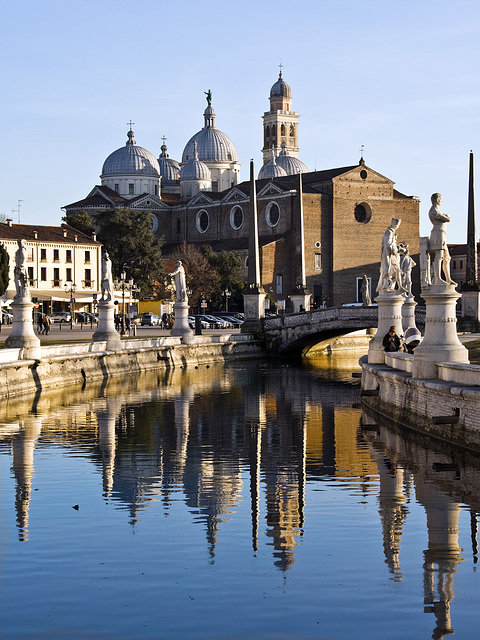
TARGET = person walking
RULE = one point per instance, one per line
(46, 324)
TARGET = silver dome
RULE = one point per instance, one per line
(290, 164)
(271, 169)
(169, 168)
(280, 89)
(195, 169)
(212, 144)
(131, 160)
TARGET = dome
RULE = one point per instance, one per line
(195, 169)
(131, 160)
(290, 164)
(271, 169)
(169, 168)
(280, 89)
(212, 144)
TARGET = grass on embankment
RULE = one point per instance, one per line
(473, 347)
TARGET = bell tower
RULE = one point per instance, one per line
(280, 124)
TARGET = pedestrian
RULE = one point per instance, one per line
(117, 322)
(46, 324)
(127, 324)
(40, 323)
(391, 342)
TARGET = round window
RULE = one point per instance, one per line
(363, 174)
(363, 213)
(154, 223)
(236, 217)
(272, 214)
(202, 221)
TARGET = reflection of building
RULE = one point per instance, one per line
(200, 201)
(56, 256)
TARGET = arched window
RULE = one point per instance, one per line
(202, 221)
(282, 130)
(292, 131)
(272, 214)
(236, 217)
(267, 131)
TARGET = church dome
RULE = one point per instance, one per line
(195, 169)
(280, 89)
(290, 164)
(169, 168)
(212, 144)
(131, 160)
(271, 169)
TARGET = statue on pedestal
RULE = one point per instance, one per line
(180, 283)
(390, 272)
(406, 265)
(438, 242)
(20, 271)
(107, 279)
(366, 292)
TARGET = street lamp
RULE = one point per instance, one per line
(227, 296)
(71, 287)
(123, 286)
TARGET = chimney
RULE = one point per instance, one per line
(94, 236)
(76, 238)
(35, 235)
(9, 222)
(64, 233)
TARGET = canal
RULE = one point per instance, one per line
(254, 501)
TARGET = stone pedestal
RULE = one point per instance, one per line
(440, 343)
(22, 334)
(300, 301)
(408, 313)
(254, 310)
(181, 328)
(389, 313)
(106, 326)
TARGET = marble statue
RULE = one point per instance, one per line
(107, 279)
(406, 265)
(180, 283)
(366, 292)
(438, 242)
(20, 271)
(390, 273)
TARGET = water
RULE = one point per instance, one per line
(244, 502)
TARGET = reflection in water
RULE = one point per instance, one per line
(211, 437)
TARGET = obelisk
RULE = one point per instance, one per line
(300, 297)
(471, 289)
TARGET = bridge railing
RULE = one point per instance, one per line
(319, 316)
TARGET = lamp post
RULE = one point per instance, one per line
(124, 286)
(71, 287)
(227, 296)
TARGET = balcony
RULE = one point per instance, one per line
(87, 284)
(56, 284)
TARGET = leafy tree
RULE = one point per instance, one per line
(81, 220)
(202, 280)
(227, 265)
(128, 237)
(4, 269)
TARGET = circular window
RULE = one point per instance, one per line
(272, 214)
(363, 174)
(236, 217)
(202, 221)
(318, 245)
(363, 213)
(154, 223)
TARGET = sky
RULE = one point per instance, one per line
(402, 79)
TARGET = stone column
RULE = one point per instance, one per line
(389, 313)
(22, 334)
(408, 313)
(106, 326)
(440, 343)
(181, 328)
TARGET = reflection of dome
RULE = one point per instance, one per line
(195, 169)
(169, 168)
(280, 89)
(131, 160)
(290, 164)
(271, 169)
(212, 144)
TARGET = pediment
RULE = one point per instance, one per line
(148, 201)
(235, 195)
(356, 174)
(270, 189)
(200, 199)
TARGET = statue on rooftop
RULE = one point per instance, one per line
(209, 97)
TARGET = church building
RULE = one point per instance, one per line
(200, 200)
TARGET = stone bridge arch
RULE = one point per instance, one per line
(296, 333)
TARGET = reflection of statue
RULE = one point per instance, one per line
(19, 271)
(180, 283)
(438, 241)
(406, 265)
(389, 261)
(107, 280)
(366, 292)
(209, 97)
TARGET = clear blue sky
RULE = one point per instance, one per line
(400, 78)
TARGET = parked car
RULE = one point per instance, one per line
(60, 317)
(224, 323)
(150, 319)
(7, 318)
(191, 321)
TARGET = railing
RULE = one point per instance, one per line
(87, 284)
(56, 284)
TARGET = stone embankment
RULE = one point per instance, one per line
(62, 365)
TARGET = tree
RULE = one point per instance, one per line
(132, 246)
(227, 265)
(4, 269)
(202, 279)
(81, 220)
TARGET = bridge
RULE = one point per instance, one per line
(295, 334)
